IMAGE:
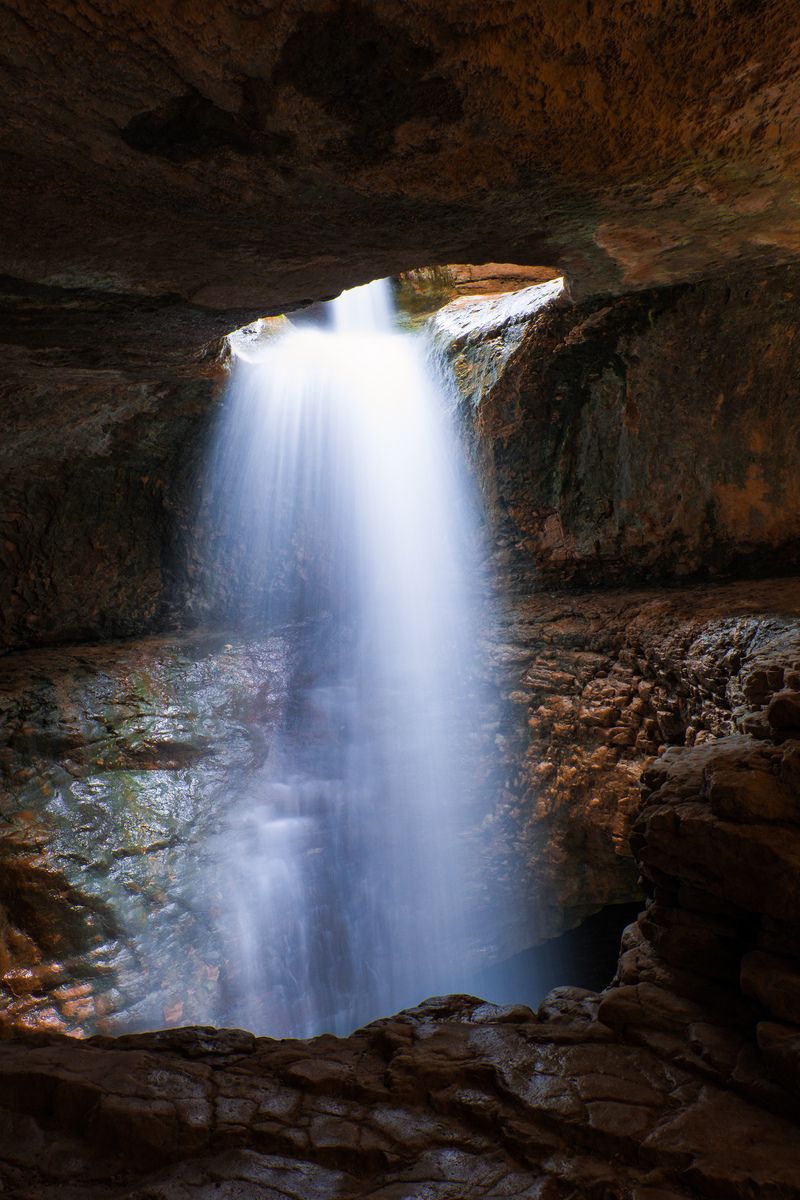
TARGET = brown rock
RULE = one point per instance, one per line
(472, 159)
(779, 937)
(700, 943)
(780, 1045)
(647, 1005)
(751, 796)
(783, 712)
(426, 1101)
(790, 766)
(680, 837)
(774, 982)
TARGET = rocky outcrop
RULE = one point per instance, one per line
(710, 972)
(119, 765)
(168, 176)
(212, 165)
(125, 767)
(682, 1079)
(595, 685)
(457, 1097)
(620, 439)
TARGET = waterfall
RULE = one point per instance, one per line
(342, 509)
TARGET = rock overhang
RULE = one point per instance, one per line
(172, 175)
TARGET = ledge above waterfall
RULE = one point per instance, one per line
(486, 315)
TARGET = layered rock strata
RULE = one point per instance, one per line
(682, 1079)
(593, 685)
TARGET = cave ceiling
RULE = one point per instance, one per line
(172, 170)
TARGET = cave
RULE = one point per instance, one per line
(400, 601)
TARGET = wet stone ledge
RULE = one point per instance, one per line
(680, 1080)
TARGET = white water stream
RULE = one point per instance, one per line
(337, 476)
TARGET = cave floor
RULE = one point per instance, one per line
(454, 1100)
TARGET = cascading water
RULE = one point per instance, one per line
(338, 491)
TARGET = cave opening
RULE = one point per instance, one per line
(295, 800)
(342, 512)
(287, 741)
(341, 502)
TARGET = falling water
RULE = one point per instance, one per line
(338, 491)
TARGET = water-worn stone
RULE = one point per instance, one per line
(596, 468)
(780, 1045)
(119, 766)
(449, 1096)
(572, 668)
(670, 1082)
(147, 741)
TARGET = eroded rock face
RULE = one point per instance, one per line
(597, 684)
(620, 439)
(97, 512)
(457, 1094)
(623, 440)
(120, 767)
(218, 162)
(170, 175)
(710, 973)
(682, 1079)
(125, 768)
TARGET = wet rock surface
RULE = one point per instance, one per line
(594, 685)
(126, 767)
(456, 1097)
(119, 764)
(170, 173)
(682, 1079)
(180, 842)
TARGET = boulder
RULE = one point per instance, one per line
(783, 712)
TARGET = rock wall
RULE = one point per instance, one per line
(595, 685)
(680, 1081)
(118, 765)
(638, 437)
(646, 430)
(94, 518)
(121, 766)
(171, 174)
(644, 436)
(710, 973)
